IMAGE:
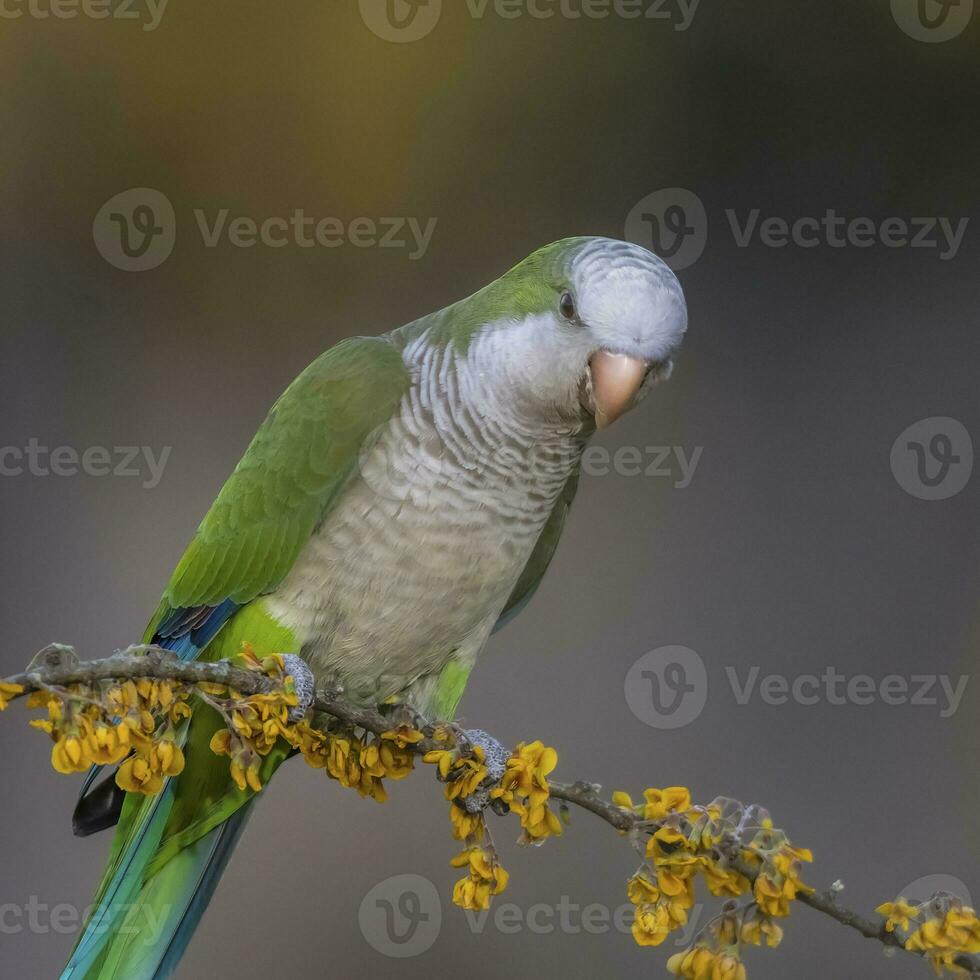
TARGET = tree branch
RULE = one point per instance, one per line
(57, 666)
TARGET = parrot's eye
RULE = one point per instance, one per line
(567, 306)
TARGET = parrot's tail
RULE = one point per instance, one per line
(146, 914)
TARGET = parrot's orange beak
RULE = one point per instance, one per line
(613, 383)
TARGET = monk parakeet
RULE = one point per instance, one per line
(401, 501)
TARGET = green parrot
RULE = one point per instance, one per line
(401, 501)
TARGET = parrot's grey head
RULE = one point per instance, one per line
(580, 329)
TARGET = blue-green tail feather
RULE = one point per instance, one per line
(143, 923)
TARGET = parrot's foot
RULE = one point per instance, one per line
(304, 684)
(495, 757)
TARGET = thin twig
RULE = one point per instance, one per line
(57, 667)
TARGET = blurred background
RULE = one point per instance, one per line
(800, 543)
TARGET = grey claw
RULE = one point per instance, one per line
(304, 684)
(495, 758)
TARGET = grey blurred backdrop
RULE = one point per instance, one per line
(794, 547)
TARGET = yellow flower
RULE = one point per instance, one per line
(727, 967)
(772, 896)
(145, 771)
(693, 964)
(70, 754)
(7, 693)
(46, 699)
(898, 914)
(369, 759)
(107, 744)
(660, 802)
(246, 776)
(754, 929)
(958, 931)
(668, 844)
(154, 693)
(527, 772)
(538, 821)
(403, 736)
(623, 800)
(465, 824)
(641, 890)
(485, 879)
(462, 774)
(136, 776)
(722, 881)
(178, 710)
(442, 759)
(398, 762)
(524, 788)
(651, 925)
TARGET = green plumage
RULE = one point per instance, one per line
(403, 498)
(281, 490)
(290, 474)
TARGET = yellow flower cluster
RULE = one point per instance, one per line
(898, 914)
(253, 723)
(687, 841)
(524, 788)
(145, 771)
(132, 721)
(700, 963)
(357, 763)
(946, 928)
(462, 775)
(7, 692)
(485, 878)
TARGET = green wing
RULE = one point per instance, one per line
(287, 480)
(541, 557)
(170, 850)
